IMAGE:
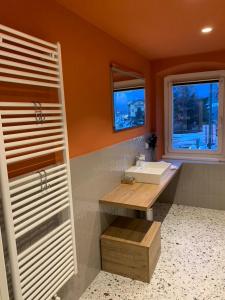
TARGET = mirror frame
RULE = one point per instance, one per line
(141, 83)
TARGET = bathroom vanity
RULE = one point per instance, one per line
(131, 247)
(139, 196)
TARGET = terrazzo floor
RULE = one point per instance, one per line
(191, 265)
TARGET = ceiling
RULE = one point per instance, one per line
(157, 28)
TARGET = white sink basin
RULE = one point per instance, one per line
(149, 172)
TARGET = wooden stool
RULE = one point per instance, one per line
(131, 248)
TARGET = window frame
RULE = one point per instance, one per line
(168, 116)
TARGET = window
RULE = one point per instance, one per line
(193, 115)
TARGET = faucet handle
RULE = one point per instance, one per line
(142, 157)
(139, 158)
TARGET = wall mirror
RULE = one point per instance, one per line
(128, 94)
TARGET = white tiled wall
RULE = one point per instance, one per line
(93, 175)
(198, 184)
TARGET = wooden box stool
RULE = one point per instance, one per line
(131, 248)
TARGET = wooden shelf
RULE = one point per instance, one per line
(139, 196)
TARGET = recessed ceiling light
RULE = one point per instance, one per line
(207, 30)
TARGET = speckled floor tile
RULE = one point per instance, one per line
(191, 265)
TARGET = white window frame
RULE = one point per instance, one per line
(171, 153)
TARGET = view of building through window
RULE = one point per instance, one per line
(195, 116)
(129, 108)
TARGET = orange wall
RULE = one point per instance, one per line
(176, 65)
(87, 53)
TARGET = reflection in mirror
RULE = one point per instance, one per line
(128, 98)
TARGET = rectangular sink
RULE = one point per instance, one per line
(149, 172)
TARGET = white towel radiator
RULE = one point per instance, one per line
(4, 295)
(28, 131)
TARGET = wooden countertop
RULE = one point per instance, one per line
(138, 196)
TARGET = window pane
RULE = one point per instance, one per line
(129, 108)
(195, 116)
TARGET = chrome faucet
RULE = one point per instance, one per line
(139, 158)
